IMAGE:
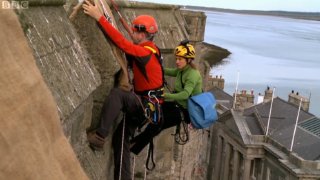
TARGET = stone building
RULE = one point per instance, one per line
(241, 149)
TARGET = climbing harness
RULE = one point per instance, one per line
(152, 110)
(151, 100)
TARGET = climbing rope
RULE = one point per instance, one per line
(145, 167)
(105, 12)
(122, 20)
(122, 144)
(182, 137)
(150, 157)
(133, 166)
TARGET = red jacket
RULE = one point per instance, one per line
(147, 70)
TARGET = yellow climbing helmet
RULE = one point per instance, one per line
(185, 49)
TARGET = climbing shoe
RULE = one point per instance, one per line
(96, 142)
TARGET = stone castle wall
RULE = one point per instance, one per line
(78, 65)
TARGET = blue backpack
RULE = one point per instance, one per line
(202, 110)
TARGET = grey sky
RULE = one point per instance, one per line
(285, 5)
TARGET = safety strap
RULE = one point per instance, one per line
(151, 49)
(155, 92)
(181, 80)
(150, 156)
(160, 60)
(181, 137)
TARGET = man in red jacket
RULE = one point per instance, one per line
(144, 58)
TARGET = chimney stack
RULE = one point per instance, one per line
(216, 82)
(267, 94)
(294, 98)
(245, 99)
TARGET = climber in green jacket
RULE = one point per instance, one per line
(188, 83)
(188, 80)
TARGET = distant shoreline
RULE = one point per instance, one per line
(295, 15)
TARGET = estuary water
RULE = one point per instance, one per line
(281, 53)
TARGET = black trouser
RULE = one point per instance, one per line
(127, 102)
(117, 101)
(171, 117)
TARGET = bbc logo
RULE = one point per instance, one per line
(15, 4)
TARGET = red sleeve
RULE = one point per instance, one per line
(127, 46)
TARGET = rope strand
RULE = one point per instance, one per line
(145, 166)
(122, 143)
(133, 166)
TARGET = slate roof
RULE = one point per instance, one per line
(281, 127)
(283, 115)
(222, 97)
(306, 144)
(312, 125)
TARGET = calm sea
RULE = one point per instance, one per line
(278, 52)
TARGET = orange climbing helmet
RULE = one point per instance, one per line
(145, 23)
(185, 49)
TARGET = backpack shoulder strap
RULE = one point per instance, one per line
(159, 58)
(151, 49)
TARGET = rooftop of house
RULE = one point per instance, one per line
(223, 99)
(283, 114)
(312, 125)
(281, 126)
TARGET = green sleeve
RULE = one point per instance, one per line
(171, 72)
(189, 85)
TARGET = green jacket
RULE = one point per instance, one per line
(192, 81)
